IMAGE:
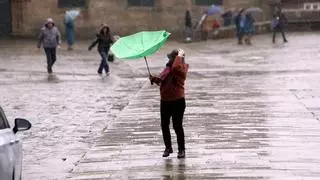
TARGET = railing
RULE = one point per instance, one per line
(302, 16)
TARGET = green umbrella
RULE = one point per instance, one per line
(140, 45)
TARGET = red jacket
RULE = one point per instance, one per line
(171, 81)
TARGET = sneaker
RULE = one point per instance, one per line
(167, 152)
(285, 41)
(181, 154)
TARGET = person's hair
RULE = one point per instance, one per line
(174, 53)
(172, 56)
(108, 31)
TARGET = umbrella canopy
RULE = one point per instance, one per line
(139, 45)
(256, 12)
(214, 10)
(253, 10)
(71, 15)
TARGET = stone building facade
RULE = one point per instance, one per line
(124, 16)
(301, 4)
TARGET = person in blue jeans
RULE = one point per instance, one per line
(104, 41)
(69, 25)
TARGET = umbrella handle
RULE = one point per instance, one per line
(145, 59)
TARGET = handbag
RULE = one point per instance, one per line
(110, 57)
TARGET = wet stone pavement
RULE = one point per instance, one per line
(252, 113)
(67, 111)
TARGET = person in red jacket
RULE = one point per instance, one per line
(173, 104)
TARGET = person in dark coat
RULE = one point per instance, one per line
(104, 41)
(50, 39)
(227, 18)
(248, 28)
(171, 82)
(188, 27)
(239, 21)
(278, 23)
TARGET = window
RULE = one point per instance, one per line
(72, 3)
(141, 3)
(207, 2)
(307, 6)
(312, 6)
(3, 120)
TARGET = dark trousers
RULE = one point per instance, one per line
(174, 110)
(104, 63)
(275, 34)
(51, 54)
(240, 34)
(240, 37)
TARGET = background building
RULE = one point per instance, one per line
(25, 17)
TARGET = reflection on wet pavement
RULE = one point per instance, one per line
(243, 120)
(252, 113)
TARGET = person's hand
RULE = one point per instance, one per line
(116, 38)
(151, 79)
(181, 53)
(58, 46)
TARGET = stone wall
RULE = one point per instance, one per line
(29, 15)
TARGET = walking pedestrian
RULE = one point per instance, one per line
(278, 23)
(227, 18)
(70, 32)
(239, 21)
(248, 28)
(171, 82)
(104, 41)
(188, 27)
(206, 27)
(50, 39)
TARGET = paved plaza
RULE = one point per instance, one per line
(252, 112)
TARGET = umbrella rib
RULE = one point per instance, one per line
(129, 47)
(142, 44)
